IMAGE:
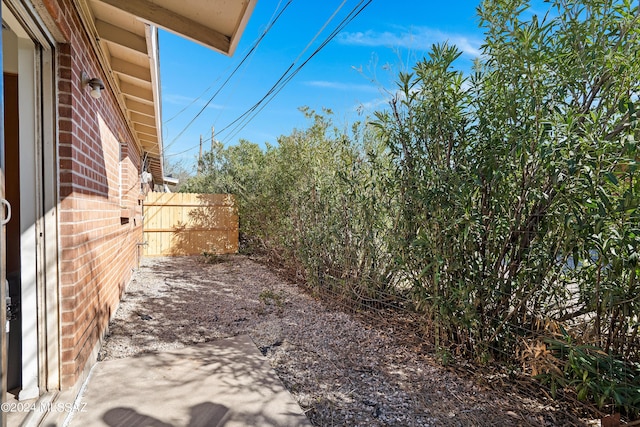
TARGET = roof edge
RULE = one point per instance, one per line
(151, 32)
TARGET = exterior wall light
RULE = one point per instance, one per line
(96, 85)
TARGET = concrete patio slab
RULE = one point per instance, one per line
(223, 383)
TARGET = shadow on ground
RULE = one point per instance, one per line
(227, 382)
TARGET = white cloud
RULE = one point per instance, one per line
(416, 38)
(342, 86)
(372, 105)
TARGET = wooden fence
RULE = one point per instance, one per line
(177, 224)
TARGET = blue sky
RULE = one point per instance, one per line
(348, 75)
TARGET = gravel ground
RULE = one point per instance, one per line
(342, 370)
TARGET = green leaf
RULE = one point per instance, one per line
(623, 106)
(582, 393)
(612, 178)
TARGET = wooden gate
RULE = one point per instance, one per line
(177, 224)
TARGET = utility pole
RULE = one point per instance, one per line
(200, 157)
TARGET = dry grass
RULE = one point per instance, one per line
(342, 369)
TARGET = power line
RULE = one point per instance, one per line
(252, 112)
(288, 75)
(244, 59)
(308, 44)
(196, 99)
(218, 79)
(333, 15)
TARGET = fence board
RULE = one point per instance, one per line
(177, 224)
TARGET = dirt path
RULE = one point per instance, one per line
(342, 371)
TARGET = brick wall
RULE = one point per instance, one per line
(97, 247)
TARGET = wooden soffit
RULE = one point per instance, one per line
(217, 24)
(126, 38)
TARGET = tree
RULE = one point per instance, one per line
(177, 169)
(519, 185)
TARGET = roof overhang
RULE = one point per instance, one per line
(126, 39)
(171, 181)
(215, 24)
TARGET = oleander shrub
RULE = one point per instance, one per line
(500, 204)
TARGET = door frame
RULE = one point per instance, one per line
(39, 120)
(3, 270)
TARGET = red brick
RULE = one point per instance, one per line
(96, 251)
